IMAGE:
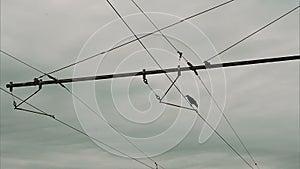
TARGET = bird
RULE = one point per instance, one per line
(192, 100)
(192, 68)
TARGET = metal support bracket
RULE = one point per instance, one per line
(207, 64)
(144, 77)
(39, 83)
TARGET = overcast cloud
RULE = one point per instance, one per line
(262, 101)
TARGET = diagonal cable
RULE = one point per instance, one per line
(219, 108)
(44, 113)
(141, 37)
(80, 100)
(228, 122)
(114, 128)
(211, 127)
(142, 44)
(253, 33)
(160, 31)
(15, 58)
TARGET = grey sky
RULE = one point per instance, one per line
(262, 101)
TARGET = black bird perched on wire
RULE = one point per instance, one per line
(192, 100)
(191, 66)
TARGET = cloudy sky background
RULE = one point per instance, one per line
(262, 101)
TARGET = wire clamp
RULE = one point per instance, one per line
(144, 76)
(156, 165)
(157, 97)
(178, 71)
(180, 54)
(56, 81)
(38, 82)
(207, 64)
(192, 68)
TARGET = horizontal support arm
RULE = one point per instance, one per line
(155, 72)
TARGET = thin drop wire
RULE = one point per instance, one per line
(13, 100)
(141, 37)
(114, 128)
(215, 131)
(169, 88)
(41, 112)
(228, 122)
(243, 159)
(253, 33)
(156, 95)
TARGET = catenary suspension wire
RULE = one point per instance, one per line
(44, 113)
(34, 68)
(135, 35)
(211, 127)
(145, 48)
(169, 103)
(141, 37)
(15, 58)
(228, 122)
(119, 15)
(219, 108)
(253, 33)
(80, 100)
(114, 128)
(157, 29)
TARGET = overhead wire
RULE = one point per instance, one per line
(15, 58)
(145, 48)
(157, 29)
(170, 79)
(80, 100)
(210, 94)
(141, 37)
(44, 113)
(32, 67)
(113, 127)
(169, 42)
(228, 122)
(212, 128)
(253, 33)
(223, 51)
